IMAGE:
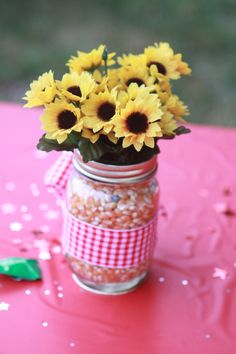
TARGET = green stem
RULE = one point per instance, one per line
(104, 57)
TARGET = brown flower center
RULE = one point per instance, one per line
(160, 67)
(137, 123)
(75, 90)
(136, 80)
(66, 119)
(106, 111)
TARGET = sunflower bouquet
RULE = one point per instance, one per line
(112, 109)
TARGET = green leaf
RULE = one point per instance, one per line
(90, 151)
(182, 130)
(69, 144)
(117, 155)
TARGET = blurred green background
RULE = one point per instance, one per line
(40, 35)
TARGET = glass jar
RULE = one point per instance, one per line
(110, 224)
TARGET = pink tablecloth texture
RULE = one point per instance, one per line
(188, 303)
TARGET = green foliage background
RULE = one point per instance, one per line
(40, 35)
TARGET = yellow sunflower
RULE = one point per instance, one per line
(76, 87)
(59, 119)
(89, 61)
(135, 74)
(168, 123)
(182, 67)
(89, 134)
(111, 136)
(162, 84)
(99, 111)
(98, 77)
(132, 60)
(113, 78)
(103, 81)
(133, 92)
(42, 91)
(177, 107)
(162, 56)
(138, 122)
(158, 77)
(93, 137)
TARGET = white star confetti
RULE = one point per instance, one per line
(44, 255)
(184, 282)
(34, 190)
(207, 336)
(43, 247)
(59, 202)
(41, 244)
(161, 280)
(4, 306)
(27, 217)
(44, 324)
(16, 241)
(60, 295)
(27, 292)
(15, 226)
(51, 214)
(220, 273)
(43, 206)
(8, 208)
(72, 344)
(23, 208)
(47, 292)
(56, 250)
(220, 207)
(10, 186)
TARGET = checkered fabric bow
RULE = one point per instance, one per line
(96, 245)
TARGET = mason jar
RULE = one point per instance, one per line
(110, 224)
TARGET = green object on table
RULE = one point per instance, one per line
(25, 269)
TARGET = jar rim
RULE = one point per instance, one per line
(115, 173)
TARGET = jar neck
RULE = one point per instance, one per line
(113, 173)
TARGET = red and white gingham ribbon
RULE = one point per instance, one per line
(57, 175)
(96, 245)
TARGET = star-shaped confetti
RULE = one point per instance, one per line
(10, 186)
(44, 255)
(4, 306)
(43, 206)
(15, 226)
(220, 207)
(51, 214)
(8, 208)
(27, 217)
(220, 273)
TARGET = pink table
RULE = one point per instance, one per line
(188, 303)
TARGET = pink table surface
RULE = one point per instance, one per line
(188, 303)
